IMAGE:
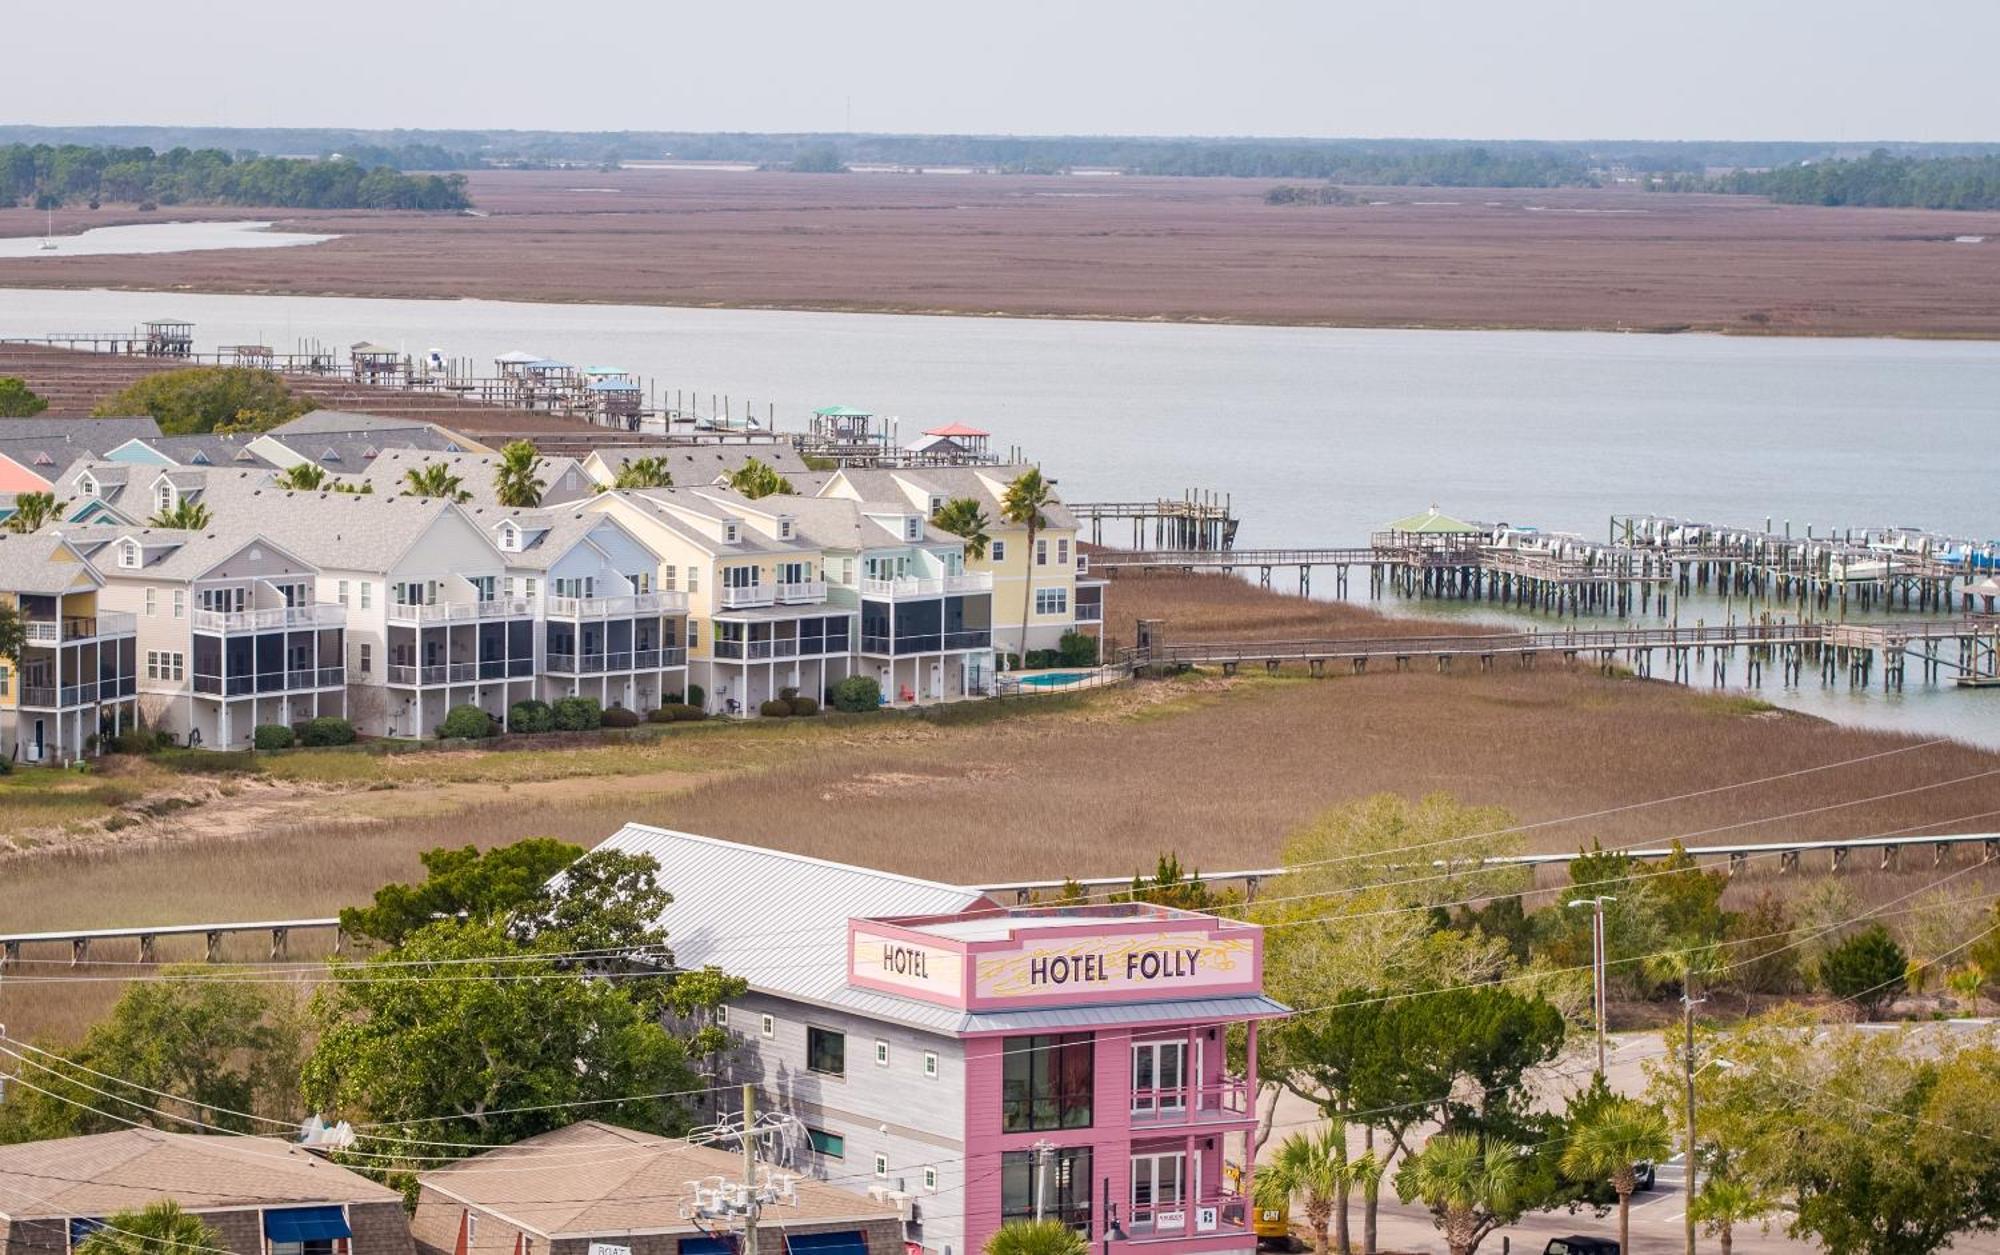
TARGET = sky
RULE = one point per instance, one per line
(1496, 69)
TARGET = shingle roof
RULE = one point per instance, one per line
(115, 430)
(109, 1172)
(475, 471)
(209, 450)
(592, 1179)
(321, 421)
(985, 484)
(840, 523)
(703, 463)
(351, 451)
(43, 563)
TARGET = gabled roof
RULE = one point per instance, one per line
(1433, 522)
(693, 464)
(956, 430)
(107, 431)
(612, 1181)
(111, 1172)
(843, 411)
(46, 564)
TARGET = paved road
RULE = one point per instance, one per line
(1657, 1216)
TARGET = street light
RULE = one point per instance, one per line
(1597, 981)
(1112, 1231)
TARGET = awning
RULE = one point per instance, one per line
(844, 1242)
(81, 1227)
(306, 1224)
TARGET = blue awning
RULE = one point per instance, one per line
(306, 1224)
(81, 1227)
(845, 1242)
(706, 1245)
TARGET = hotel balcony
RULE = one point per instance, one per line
(254, 684)
(463, 611)
(805, 593)
(615, 661)
(73, 629)
(1224, 1102)
(782, 647)
(70, 696)
(621, 606)
(928, 643)
(276, 618)
(932, 586)
(1219, 1216)
(442, 673)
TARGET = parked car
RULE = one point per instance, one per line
(1581, 1244)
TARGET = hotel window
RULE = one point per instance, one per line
(881, 1053)
(180, 603)
(670, 578)
(997, 550)
(930, 1177)
(930, 1064)
(342, 594)
(694, 579)
(1065, 1192)
(826, 1051)
(152, 602)
(367, 659)
(832, 1145)
(1052, 601)
(694, 633)
(367, 593)
(1045, 1082)
(768, 1025)
(1062, 552)
(1041, 553)
(881, 1165)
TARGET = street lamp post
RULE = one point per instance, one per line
(1597, 964)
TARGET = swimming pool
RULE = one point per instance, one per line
(1050, 680)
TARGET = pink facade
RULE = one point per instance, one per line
(1150, 1094)
(16, 478)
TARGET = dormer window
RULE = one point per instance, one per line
(913, 528)
(510, 538)
(784, 529)
(86, 486)
(937, 503)
(729, 531)
(163, 497)
(128, 555)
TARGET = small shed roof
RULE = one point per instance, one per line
(956, 429)
(369, 348)
(107, 1172)
(843, 411)
(1433, 522)
(1988, 587)
(516, 357)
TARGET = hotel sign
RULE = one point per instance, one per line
(1077, 965)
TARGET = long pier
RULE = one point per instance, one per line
(1889, 851)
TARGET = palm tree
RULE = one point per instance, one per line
(1469, 1186)
(756, 479)
(359, 488)
(1607, 1143)
(1725, 1202)
(1036, 1237)
(1965, 984)
(186, 516)
(641, 473)
(962, 517)
(303, 477)
(160, 1228)
(434, 479)
(1023, 505)
(514, 480)
(1316, 1166)
(34, 511)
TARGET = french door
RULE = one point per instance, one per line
(1159, 1185)
(1159, 1077)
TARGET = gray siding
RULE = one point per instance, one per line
(917, 1121)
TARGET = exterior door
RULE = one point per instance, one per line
(1159, 1073)
(1159, 1192)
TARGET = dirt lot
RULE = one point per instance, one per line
(1124, 247)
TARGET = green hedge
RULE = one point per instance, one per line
(532, 715)
(697, 696)
(804, 706)
(619, 717)
(855, 694)
(467, 723)
(776, 708)
(326, 730)
(578, 714)
(271, 736)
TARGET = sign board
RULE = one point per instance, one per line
(1161, 964)
(605, 1248)
(1165, 1220)
(1205, 1219)
(881, 959)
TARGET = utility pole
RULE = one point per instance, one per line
(726, 1201)
(1688, 1001)
(1598, 981)
(1045, 1150)
(750, 1169)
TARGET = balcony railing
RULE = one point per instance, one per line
(623, 604)
(745, 598)
(787, 647)
(935, 586)
(251, 684)
(802, 593)
(616, 660)
(928, 642)
(406, 676)
(463, 611)
(63, 697)
(316, 615)
(1191, 1104)
(1090, 612)
(70, 629)
(1217, 1214)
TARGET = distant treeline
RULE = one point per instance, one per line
(47, 176)
(1879, 179)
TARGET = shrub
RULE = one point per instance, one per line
(578, 714)
(1868, 968)
(326, 730)
(697, 696)
(662, 714)
(672, 699)
(271, 736)
(776, 708)
(204, 398)
(804, 706)
(466, 723)
(139, 741)
(787, 694)
(856, 693)
(533, 715)
(689, 713)
(619, 717)
(1077, 650)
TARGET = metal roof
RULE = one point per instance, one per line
(1245, 1007)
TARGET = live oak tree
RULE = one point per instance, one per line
(524, 988)
(210, 398)
(18, 401)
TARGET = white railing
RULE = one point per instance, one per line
(462, 611)
(505, 607)
(931, 586)
(622, 604)
(318, 614)
(744, 598)
(809, 591)
(78, 627)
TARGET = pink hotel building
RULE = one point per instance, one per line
(975, 1062)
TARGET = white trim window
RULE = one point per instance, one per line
(1041, 551)
(931, 1064)
(1062, 551)
(152, 603)
(1052, 601)
(722, 1015)
(997, 550)
(930, 1176)
(180, 603)
(367, 594)
(767, 1026)
(881, 1053)
(881, 1164)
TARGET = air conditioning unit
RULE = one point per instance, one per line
(904, 1203)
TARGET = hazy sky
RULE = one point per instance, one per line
(1643, 69)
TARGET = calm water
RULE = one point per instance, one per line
(156, 237)
(1319, 434)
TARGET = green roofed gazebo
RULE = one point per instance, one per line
(1433, 522)
(843, 411)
